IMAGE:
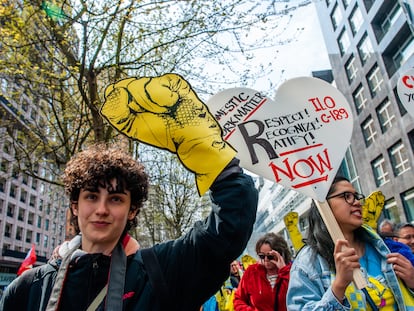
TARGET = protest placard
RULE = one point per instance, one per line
(405, 90)
(298, 140)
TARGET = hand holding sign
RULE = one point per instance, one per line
(298, 140)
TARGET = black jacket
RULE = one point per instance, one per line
(193, 266)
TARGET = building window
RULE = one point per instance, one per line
(351, 69)
(343, 42)
(399, 158)
(365, 49)
(375, 80)
(408, 203)
(391, 18)
(356, 20)
(45, 240)
(403, 52)
(10, 210)
(348, 166)
(29, 235)
(39, 221)
(368, 130)
(385, 115)
(336, 16)
(2, 184)
(19, 233)
(4, 165)
(391, 211)
(359, 98)
(13, 191)
(25, 179)
(30, 218)
(8, 230)
(32, 200)
(20, 216)
(380, 173)
(23, 196)
(34, 184)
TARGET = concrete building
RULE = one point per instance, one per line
(32, 212)
(370, 44)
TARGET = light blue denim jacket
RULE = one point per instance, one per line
(310, 280)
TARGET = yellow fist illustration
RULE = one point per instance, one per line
(372, 208)
(291, 222)
(165, 112)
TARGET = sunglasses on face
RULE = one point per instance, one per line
(263, 256)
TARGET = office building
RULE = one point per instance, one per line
(370, 45)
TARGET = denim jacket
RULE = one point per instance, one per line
(311, 279)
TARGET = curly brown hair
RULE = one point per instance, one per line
(96, 167)
(277, 243)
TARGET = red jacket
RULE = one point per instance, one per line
(255, 293)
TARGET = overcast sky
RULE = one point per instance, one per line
(304, 55)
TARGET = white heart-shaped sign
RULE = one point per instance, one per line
(405, 90)
(298, 140)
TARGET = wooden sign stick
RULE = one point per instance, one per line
(336, 234)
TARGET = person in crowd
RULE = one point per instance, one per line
(322, 273)
(405, 234)
(107, 188)
(390, 237)
(235, 273)
(264, 284)
(223, 299)
(387, 228)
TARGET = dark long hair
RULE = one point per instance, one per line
(318, 237)
(276, 242)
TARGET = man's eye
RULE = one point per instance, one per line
(117, 199)
(91, 196)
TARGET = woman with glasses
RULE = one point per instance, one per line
(322, 274)
(264, 284)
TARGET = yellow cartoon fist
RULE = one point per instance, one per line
(291, 222)
(165, 112)
(372, 208)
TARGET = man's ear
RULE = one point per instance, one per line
(132, 213)
(74, 207)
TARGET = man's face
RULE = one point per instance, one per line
(102, 217)
(387, 228)
(234, 267)
(406, 236)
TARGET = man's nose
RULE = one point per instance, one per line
(102, 207)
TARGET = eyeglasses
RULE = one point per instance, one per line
(263, 256)
(350, 197)
(407, 237)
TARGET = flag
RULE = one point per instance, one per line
(28, 261)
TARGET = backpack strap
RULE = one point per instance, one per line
(155, 275)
